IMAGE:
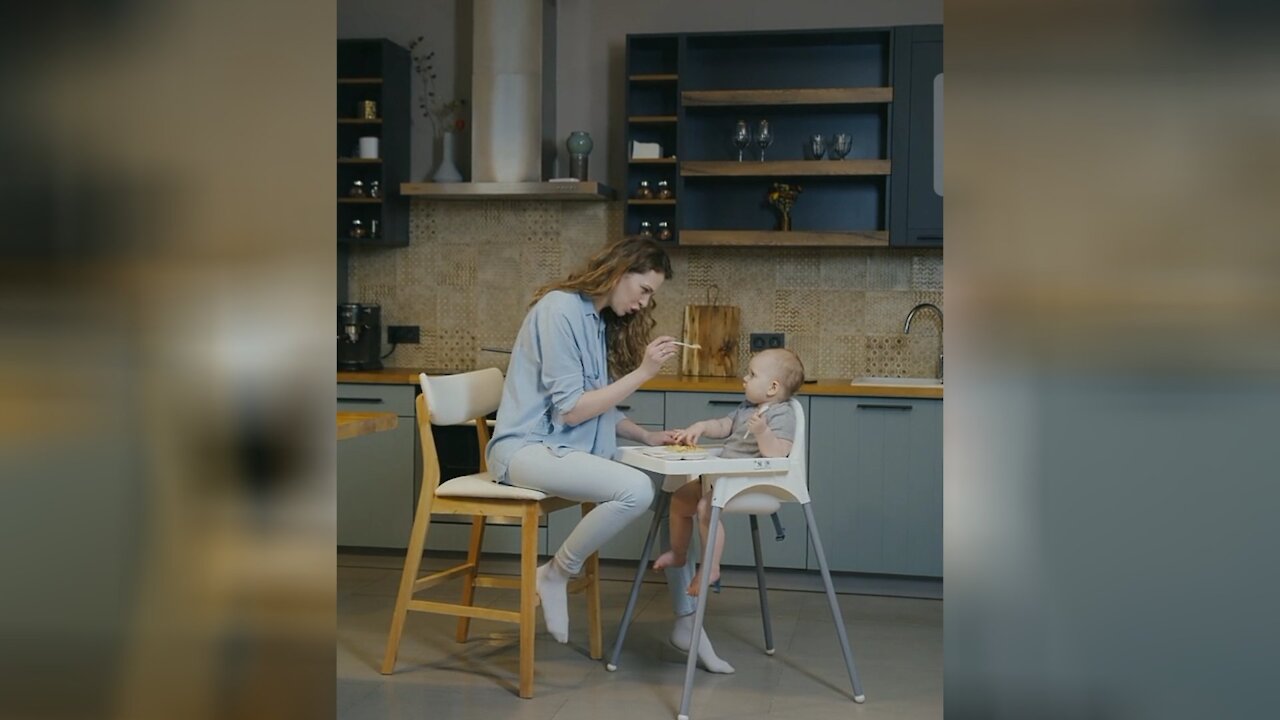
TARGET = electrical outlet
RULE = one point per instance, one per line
(766, 341)
(398, 334)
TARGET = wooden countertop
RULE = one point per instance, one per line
(355, 424)
(678, 383)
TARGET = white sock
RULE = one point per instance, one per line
(683, 632)
(553, 591)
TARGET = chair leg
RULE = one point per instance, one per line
(412, 562)
(469, 579)
(704, 582)
(594, 632)
(663, 499)
(760, 584)
(858, 695)
(528, 595)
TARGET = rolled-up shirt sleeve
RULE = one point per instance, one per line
(561, 355)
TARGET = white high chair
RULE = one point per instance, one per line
(754, 493)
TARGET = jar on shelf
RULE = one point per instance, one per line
(357, 189)
(664, 191)
(357, 229)
(375, 189)
(664, 231)
(644, 192)
(646, 229)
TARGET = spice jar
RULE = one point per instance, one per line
(664, 231)
(357, 189)
(375, 189)
(646, 229)
(664, 191)
(357, 229)
(644, 192)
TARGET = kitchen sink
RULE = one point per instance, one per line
(875, 380)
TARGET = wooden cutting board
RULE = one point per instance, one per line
(715, 328)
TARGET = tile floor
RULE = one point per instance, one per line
(897, 644)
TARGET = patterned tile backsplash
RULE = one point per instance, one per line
(471, 268)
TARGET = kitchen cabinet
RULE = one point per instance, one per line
(875, 474)
(917, 137)
(652, 105)
(376, 472)
(374, 70)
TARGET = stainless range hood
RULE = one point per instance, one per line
(512, 109)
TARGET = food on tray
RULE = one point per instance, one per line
(682, 448)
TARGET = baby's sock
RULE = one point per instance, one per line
(680, 637)
(553, 591)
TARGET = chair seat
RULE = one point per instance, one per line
(482, 485)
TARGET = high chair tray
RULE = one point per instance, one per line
(672, 463)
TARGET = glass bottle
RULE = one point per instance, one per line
(357, 189)
(664, 191)
(375, 189)
(357, 229)
(646, 229)
(644, 192)
(664, 231)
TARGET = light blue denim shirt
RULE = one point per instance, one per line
(559, 354)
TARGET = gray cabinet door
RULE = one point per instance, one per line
(375, 488)
(875, 474)
(916, 182)
(686, 408)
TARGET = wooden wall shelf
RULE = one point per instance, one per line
(794, 238)
(654, 77)
(790, 168)
(360, 81)
(575, 191)
(360, 200)
(634, 201)
(803, 96)
(652, 118)
(653, 161)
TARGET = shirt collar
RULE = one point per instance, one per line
(589, 306)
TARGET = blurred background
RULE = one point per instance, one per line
(167, 290)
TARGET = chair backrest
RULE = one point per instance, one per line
(455, 399)
(734, 492)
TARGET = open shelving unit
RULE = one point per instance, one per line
(687, 91)
(373, 69)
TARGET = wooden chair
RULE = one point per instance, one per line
(455, 400)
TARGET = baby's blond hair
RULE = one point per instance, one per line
(787, 368)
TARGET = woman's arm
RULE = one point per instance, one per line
(631, 431)
(596, 402)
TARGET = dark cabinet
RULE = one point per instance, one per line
(373, 102)
(917, 145)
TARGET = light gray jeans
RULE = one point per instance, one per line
(621, 493)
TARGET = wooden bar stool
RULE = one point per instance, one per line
(456, 400)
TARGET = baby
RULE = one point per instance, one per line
(764, 425)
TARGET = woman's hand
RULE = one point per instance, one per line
(660, 437)
(656, 353)
(689, 435)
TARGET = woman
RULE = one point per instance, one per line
(583, 349)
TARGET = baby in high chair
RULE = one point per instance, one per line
(764, 425)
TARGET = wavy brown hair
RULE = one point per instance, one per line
(628, 335)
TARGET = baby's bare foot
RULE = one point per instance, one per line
(668, 559)
(693, 586)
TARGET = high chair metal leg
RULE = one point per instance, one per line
(704, 582)
(760, 585)
(858, 696)
(663, 499)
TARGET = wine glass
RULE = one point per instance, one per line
(764, 137)
(841, 143)
(741, 137)
(817, 146)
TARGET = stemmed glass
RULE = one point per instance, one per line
(817, 146)
(764, 137)
(840, 145)
(741, 137)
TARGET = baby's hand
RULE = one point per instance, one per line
(689, 435)
(756, 423)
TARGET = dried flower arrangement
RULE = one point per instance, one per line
(444, 116)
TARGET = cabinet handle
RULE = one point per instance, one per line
(359, 400)
(724, 402)
(874, 406)
(623, 407)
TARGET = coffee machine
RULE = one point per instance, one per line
(359, 337)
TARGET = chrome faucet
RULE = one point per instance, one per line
(906, 328)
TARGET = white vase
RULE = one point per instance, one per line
(448, 170)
